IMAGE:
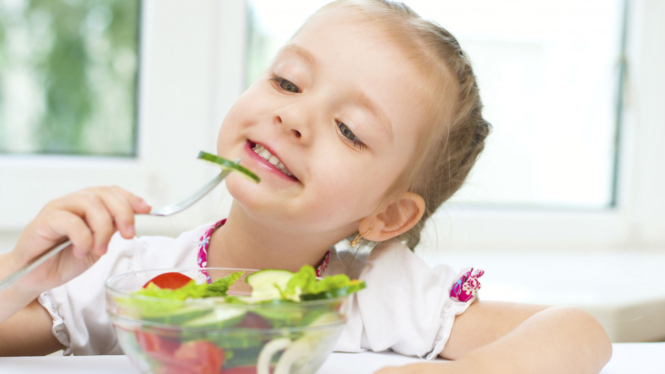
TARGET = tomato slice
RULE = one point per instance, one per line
(200, 356)
(196, 357)
(158, 347)
(172, 281)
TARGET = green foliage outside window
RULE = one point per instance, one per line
(68, 76)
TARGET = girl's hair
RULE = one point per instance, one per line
(450, 145)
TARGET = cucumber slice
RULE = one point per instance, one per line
(267, 283)
(218, 318)
(177, 317)
(229, 165)
(239, 340)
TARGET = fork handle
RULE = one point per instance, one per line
(8, 281)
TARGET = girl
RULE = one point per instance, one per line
(364, 124)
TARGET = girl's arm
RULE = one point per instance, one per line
(28, 332)
(495, 337)
(88, 218)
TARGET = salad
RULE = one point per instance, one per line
(288, 323)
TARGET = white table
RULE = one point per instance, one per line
(628, 358)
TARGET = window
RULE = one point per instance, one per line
(68, 73)
(179, 108)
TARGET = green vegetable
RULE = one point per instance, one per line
(243, 357)
(221, 286)
(304, 286)
(229, 165)
(267, 284)
(192, 290)
(177, 317)
(171, 301)
(280, 288)
(218, 318)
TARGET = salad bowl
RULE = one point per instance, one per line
(227, 321)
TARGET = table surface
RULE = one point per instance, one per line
(628, 358)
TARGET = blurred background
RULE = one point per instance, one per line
(564, 207)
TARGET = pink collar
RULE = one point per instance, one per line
(204, 243)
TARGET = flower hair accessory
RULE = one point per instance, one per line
(467, 286)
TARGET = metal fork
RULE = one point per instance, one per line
(163, 211)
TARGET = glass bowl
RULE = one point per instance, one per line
(212, 336)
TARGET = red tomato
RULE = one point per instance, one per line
(172, 281)
(155, 344)
(200, 357)
(196, 357)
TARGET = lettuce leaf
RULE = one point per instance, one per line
(304, 286)
(221, 286)
(192, 290)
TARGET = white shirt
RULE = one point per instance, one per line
(406, 306)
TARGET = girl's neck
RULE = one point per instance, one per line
(245, 243)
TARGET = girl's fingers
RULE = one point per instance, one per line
(119, 208)
(104, 209)
(72, 226)
(138, 204)
(98, 218)
(91, 208)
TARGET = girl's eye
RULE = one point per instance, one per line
(347, 133)
(285, 85)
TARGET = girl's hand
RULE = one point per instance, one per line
(88, 218)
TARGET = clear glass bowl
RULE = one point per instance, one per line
(211, 336)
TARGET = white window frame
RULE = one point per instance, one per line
(203, 41)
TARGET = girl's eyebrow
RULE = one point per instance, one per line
(302, 52)
(384, 122)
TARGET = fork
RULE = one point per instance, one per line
(162, 212)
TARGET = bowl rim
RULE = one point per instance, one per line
(207, 301)
(224, 330)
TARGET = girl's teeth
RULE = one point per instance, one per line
(266, 155)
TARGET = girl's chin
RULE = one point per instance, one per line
(246, 193)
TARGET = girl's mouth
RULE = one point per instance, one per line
(264, 157)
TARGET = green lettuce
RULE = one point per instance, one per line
(304, 286)
(192, 290)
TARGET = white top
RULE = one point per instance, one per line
(406, 306)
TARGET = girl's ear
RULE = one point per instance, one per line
(395, 219)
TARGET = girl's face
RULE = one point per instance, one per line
(341, 107)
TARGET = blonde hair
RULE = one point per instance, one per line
(457, 135)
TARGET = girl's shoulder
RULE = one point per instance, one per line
(405, 293)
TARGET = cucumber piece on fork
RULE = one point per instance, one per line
(229, 165)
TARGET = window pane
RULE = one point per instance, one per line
(68, 73)
(547, 71)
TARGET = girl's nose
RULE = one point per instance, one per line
(293, 120)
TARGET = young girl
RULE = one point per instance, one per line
(364, 124)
